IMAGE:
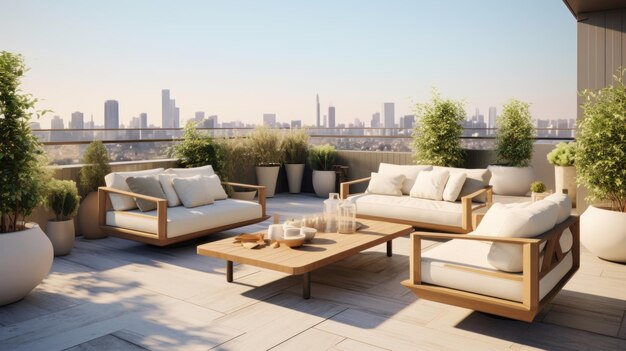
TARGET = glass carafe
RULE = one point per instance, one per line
(330, 212)
(347, 217)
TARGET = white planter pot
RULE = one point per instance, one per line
(603, 232)
(565, 178)
(61, 235)
(324, 183)
(294, 177)
(25, 260)
(514, 181)
(538, 196)
(88, 217)
(267, 176)
(243, 195)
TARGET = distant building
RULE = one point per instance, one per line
(175, 114)
(57, 123)
(90, 124)
(389, 114)
(77, 121)
(170, 114)
(143, 120)
(296, 124)
(269, 119)
(331, 117)
(492, 118)
(111, 114)
(199, 116)
(325, 121)
(375, 120)
(408, 121)
(214, 123)
(317, 99)
(35, 125)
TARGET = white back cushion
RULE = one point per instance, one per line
(215, 188)
(476, 179)
(117, 180)
(453, 186)
(193, 191)
(190, 172)
(564, 203)
(430, 184)
(410, 173)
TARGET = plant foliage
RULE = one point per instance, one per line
(514, 141)
(601, 141)
(564, 154)
(295, 146)
(438, 132)
(23, 176)
(537, 187)
(197, 149)
(265, 145)
(62, 199)
(95, 167)
(323, 157)
(237, 158)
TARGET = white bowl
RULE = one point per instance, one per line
(308, 232)
(293, 241)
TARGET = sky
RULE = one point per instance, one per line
(241, 59)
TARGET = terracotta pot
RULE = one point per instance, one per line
(294, 177)
(324, 183)
(88, 217)
(565, 178)
(603, 232)
(514, 181)
(267, 176)
(61, 235)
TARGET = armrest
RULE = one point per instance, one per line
(466, 202)
(242, 185)
(494, 239)
(345, 186)
(261, 192)
(131, 194)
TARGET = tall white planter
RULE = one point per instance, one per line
(267, 176)
(514, 181)
(603, 232)
(88, 217)
(25, 260)
(324, 183)
(565, 178)
(294, 177)
(61, 235)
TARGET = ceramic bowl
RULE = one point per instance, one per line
(293, 241)
(308, 232)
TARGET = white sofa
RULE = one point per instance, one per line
(118, 216)
(454, 217)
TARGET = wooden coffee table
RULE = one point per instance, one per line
(324, 249)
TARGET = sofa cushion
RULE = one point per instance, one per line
(193, 191)
(190, 172)
(168, 188)
(146, 185)
(117, 180)
(215, 188)
(454, 186)
(476, 179)
(181, 220)
(430, 184)
(385, 184)
(410, 173)
(564, 203)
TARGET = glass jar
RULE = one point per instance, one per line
(330, 212)
(346, 217)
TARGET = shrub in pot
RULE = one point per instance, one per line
(563, 157)
(321, 159)
(62, 199)
(91, 176)
(295, 149)
(25, 251)
(266, 152)
(514, 149)
(197, 149)
(538, 191)
(601, 166)
(438, 132)
(236, 163)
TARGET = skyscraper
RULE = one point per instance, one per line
(389, 114)
(57, 123)
(492, 117)
(143, 120)
(408, 121)
(111, 114)
(166, 110)
(199, 116)
(77, 121)
(213, 118)
(175, 114)
(317, 98)
(331, 116)
(269, 119)
(375, 120)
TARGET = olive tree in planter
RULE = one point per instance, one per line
(295, 148)
(62, 199)
(514, 149)
(601, 167)
(91, 176)
(236, 162)
(438, 132)
(563, 157)
(321, 159)
(25, 251)
(265, 147)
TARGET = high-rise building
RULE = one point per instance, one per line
(77, 121)
(375, 120)
(389, 114)
(317, 99)
(408, 121)
(269, 119)
(166, 110)
(492, 118)
(90, 124)
(296, 124)
(143, 120)
(111, 114)
(57, 123)
(325, 124)
(175, 114)
(199, 116)
(214, 123)
(331, 116)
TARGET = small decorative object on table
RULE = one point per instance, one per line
(250, 241)
(331, 208)
(347, 217)
(538, 191)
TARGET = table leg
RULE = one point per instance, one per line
(229, 271)
(389, 248)
(306, 285)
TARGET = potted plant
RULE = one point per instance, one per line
(295, 149)
(62, 199)
(438, 132)
(563, 157)
(538, 191)
(25, 251)
(197, 149)
(321, 159)
(91, 176)
(514, 149)
(265, 147)
(601, 168)
(236, 161)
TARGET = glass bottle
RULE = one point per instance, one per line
(347, 217)
(330, 212)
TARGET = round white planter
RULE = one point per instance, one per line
(243, 195)
(603, 232)
(514, 181)
(267, 176)
(324, 183)
(25, 260)
(88, 217)
(294, 177)
(61, 235)
(565, 178)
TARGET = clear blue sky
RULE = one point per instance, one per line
(240, 59)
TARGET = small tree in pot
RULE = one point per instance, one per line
(197, 149)
(236, 163)
(265, 145)
(295, 149)
(91, 176)
(321, 159)
(62, 199)
(563, 157)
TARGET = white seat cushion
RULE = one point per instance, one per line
(181, 220)
(117, 180)
(410, 173)
(436, 269)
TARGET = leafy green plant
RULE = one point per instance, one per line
(62, 199)
(537, 187)
(237, 158)
(601, 144)
(265, 145)
(514, 141)
(95, 167)
(438, 131)
(197, 149)
(564, 154)
(323, 157)
(295, 146)
(23, 176)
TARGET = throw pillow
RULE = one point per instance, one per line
(117, 180)
(168, 189)
(146, 185)
(215, 188)
(430, 184)
(193, 191)
(410, 173)
(385, 184)
(453, 186)
(476, 179)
